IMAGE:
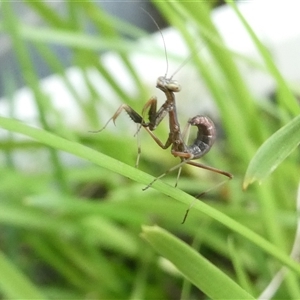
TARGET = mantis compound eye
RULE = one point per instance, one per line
(164, 84)
(174, 86)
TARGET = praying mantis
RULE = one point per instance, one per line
(206, 131)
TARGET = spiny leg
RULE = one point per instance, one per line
(154, 117)
(135, 117)
(152, 103)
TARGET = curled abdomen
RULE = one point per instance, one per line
(206, 135)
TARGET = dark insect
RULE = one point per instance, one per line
(206, 133)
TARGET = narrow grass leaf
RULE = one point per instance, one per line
(202, 273)
(116, 166)
(273, 152)
(14, 284)
(239, 265)
(287, 99)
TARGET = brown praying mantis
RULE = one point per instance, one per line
(206, 132)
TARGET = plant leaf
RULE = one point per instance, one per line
(194, 266)
(109, 163)
(14, 284)
(273, 151)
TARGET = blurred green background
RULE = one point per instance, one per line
(71, 218)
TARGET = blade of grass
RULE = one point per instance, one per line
(79, 40)
(14, 284)
(45, 250)
(104, 24)
(239, 267)
(203, 274)
(32, 80)
(273, 152)
(139, 176)
(47, 14)
(55, 21)
(286, 97)
(56, 66)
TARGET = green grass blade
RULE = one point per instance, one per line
(286, 97)
(31, 79)
(14, 284)
(48, 14)
(194, 266)
(273, 152)
(238, 265)
(139, 176)
(78, 40)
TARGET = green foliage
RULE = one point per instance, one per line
(73, 230)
